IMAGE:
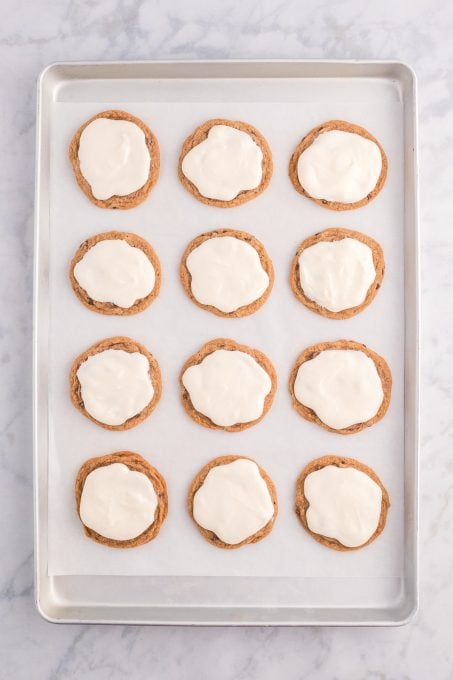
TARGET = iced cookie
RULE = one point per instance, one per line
(227, 386)
(341, 502)
(337, 272)
(339, 165)
(227, 272)
(116, 383)
(342, 386)
(115, 273)
(233, 502)
(121, 499)
(115, 158)
(225, 163)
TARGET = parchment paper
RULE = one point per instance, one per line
(173, 328)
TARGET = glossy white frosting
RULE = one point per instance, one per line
(226, 272)
(227, 162)
(337, 274)
(345, 504)
(117, 502)
(114, 271)
(234, 501)
(115, 385)
(340, 166)
(114, 157)
(342, 386)
(228, 386)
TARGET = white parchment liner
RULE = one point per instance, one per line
(173, 328)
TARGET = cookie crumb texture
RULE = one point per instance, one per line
(136, 463)
(200, 135)
(210, 536)
(127, 345)
(302, 504)
(228, 345)
(329, 236)
(308, 140)
(266, 264)
(116, 202)
(109, 308)
(382, 369)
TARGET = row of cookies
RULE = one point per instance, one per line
(342, 386)
(224, 163)
(122, 501)
(336, 272)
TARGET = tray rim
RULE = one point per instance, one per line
(411, 599)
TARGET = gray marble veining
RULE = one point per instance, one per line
(34, 34)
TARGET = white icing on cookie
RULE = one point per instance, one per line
(227, 162)
(113, 271)
(342, 386)
(226, 272)
(117, 502)
(340, 166)
(113, 157)
(345, 504)
(337, 274)
(115, 385)
(234, 501)
(228, 387)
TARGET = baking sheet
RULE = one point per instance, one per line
(173, 328)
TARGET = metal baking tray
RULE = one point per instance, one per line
(212, 599)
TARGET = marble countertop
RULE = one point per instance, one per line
(31, 36)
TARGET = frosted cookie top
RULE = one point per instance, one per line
(337, 274)
(226, 273)
(233, 501)
(227, 162)
(114, 271)
(340, 166)
(117, 503)
(228, 387)
(344, 504)
(115, 385)
(342, 386)
(114, 157)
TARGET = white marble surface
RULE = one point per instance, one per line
(34, 34)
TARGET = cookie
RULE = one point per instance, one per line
(116, 383)
(355, 387)
(221, 496)
(225, 163)
(227, 272)
(341, 280)
(227, 386)
(118, 503)
(116, 179)
(318, 176)
(353, 507)
(125, 271)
